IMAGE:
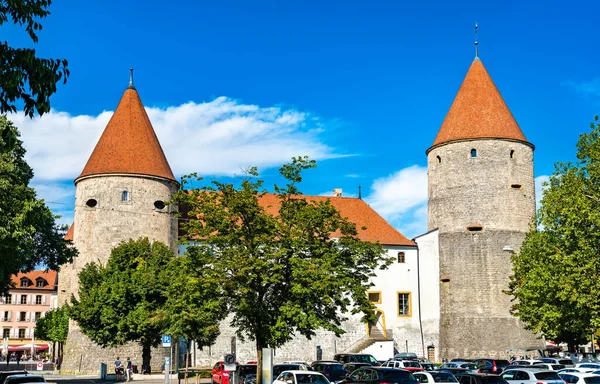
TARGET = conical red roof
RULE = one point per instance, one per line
(478, 111)
(129, 144)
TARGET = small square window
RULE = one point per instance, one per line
(38, 315)
(38, 299)
(24, 283)
(23, 299)
(124, 196)
(8, 299)
(375, 297)
(21, 333)
(6, 333)
(39, 283)
(22, 316)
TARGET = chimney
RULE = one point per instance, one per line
(337, 192)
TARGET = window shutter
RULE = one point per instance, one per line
(2, 299)
(29, 300)
(44, 299)
(12, 332)
(27, 318)
(27, 333)
(9, 312)
(14, 299)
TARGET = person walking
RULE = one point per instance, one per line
(129, 369)
(118, 368)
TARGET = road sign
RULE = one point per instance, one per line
(40, 366)
(166, 341)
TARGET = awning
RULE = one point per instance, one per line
(27, 347)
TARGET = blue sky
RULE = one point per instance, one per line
(362, 86)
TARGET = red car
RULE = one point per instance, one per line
(219, 374)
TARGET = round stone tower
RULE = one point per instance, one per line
(482, 200)
(120, 195)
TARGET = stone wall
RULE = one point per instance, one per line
(98, 229)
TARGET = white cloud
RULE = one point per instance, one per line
(539, 189)
(590, 88)
(219, 137)
(401, 198)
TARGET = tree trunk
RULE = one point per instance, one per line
(259, 362)
(54, 351)
(187, 360)
(146, 358)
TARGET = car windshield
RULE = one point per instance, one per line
(365, 359)
(592, 380)
(565, 362)
(398, 377)
(546, 376)
(24, 379)
(310, 378)
(412, 364)
(502, 363)
(557, 367)
(334, 368)
(494, 380)
(441, 377)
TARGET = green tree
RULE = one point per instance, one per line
(122, 301)
(292, 272)
(195, 304)
(26, 77)
(554, 284)
(29, 235)
(54, 327)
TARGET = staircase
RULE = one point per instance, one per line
(366, 341)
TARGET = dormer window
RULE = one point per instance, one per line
(25, 283)
(473, 153)
(40, 283)
(124, 196)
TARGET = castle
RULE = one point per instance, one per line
(443, 296)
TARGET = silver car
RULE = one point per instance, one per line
(531, 376)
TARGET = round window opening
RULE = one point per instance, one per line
(158, 204)
(91, 203)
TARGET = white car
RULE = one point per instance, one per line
(434, 377)
(301, 377)
(22, 379)
(531, 376)
(576, 370)
(526, 362)
(594, 366)
(566, 362)
(580, 378)
(549, 367)
(409, 365)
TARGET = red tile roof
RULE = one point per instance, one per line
(69, 234)
(49, 276)
(478, 111)
(355, 210)
(129, 144)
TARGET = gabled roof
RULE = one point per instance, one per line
(70, 232)
(49, 276)
(478, 111)
(128, 144)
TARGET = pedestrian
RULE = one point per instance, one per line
(129, 370)
(118, 368)
(18, 359)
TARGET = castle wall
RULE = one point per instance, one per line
(495, 192)
(98, 230)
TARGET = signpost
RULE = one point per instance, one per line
(166, 343)
(40, 366)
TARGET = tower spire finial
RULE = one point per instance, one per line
(476, 42)
(131, 86)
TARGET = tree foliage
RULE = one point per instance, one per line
(119, 302)
(143, 292)
(555, 282)
(54, 326)
(291, 272)
(26, 77)
(29, 235)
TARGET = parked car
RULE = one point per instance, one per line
(525, 362)
(246, 373)
(566, 362)
(380, 375)
(579, 378)
(461, 359)
(219, 374)
(406, 356)
(531, 376)
(22, 379)
(548, 366)
(494, 366)
(456, 371)
(459, 364)
(5, 374)
(278, 368)
(409, 365)
(594, 366)
(351, 367)
(334, 371)
(480, 378)
(435, 377)
(301, 377)
(356, 358)
(428, 366)
(576, 370)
